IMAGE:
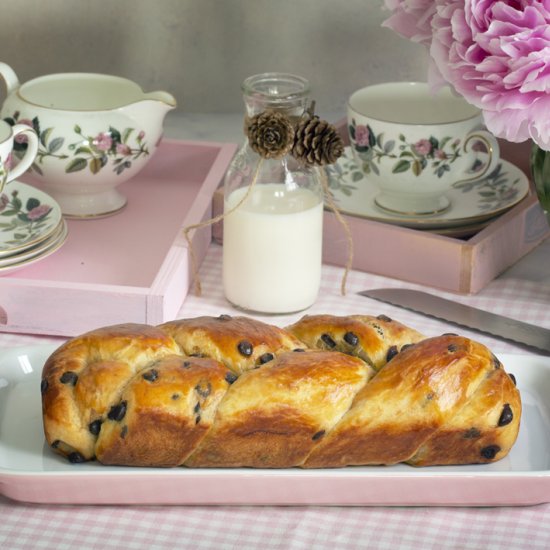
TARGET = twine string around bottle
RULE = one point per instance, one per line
(273, 135)
(212, 221)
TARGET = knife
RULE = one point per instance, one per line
(464, 316)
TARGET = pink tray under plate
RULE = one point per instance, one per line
(133, 266)
(30, 471)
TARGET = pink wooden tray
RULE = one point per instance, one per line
(133, 266)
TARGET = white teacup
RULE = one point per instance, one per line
(7, 136)
(415, 145)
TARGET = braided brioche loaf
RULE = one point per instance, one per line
(235, 392)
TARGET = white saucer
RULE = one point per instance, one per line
(471, 203)
(27, 216)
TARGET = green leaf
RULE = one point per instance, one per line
(379, 140)
(44, 136)
(389, 146)
(9, 213)
(95, 165)
(126, 134)
(416, 168)
(19, 236)
(23, 217)
(115, 134)
(77, 129)
(55, 144)
(81, 150)
(401, 166)
(402, 137)
(356, 176)
(32, 203)
(16, 204)
(76, 165)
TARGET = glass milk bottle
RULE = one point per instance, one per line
(272, 241)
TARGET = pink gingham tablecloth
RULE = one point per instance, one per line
(521, 293)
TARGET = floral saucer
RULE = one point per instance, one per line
(40, 252)
(471, 202)
(27, 216)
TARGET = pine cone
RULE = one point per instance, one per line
(270, 134)
(317, 142)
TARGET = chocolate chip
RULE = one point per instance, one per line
(506, 416)
(384, 318)
(198, 419)
(230, 377)
(225, 317)
(69, 377)
(298, 350)
(55, 444)
(513, 378)
(186, 364)
(452, 348)
(175, 396)
(95, 427)
(151, 375)
(490, 451)
(76, 458)
(117, 412)
(265, 358)
(197, 408)
(245, 348)
(391, 353)
(318, 435)
(472, 433)
(496, 363)
(406, 346)
(124, 431)
(43, 386)
(351, 338)
(204, 389)
(327, 339)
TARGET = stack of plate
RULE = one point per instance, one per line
(31, 226)
(473, 206)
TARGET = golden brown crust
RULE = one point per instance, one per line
(412, 405)
(374, 339)
(132, 395)
(273, 416)
(241, 343)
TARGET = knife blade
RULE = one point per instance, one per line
(464, 316)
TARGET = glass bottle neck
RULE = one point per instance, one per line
(282, 92)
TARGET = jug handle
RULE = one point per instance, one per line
(9, 76)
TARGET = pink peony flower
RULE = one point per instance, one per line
(123, 149)
(411, 19)
(423, 147)
(362, 135)
(103, 141)
(38, 212)
(496, 54)
(440, 154)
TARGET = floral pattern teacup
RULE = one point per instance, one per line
(9, 136)
(414, 145)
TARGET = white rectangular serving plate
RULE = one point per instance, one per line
(31, 472)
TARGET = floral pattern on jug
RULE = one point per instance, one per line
(26, 221)
(426, 153)
(90, 152)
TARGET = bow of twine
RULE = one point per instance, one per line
(273, 135)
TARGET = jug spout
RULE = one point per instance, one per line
(166, 100)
